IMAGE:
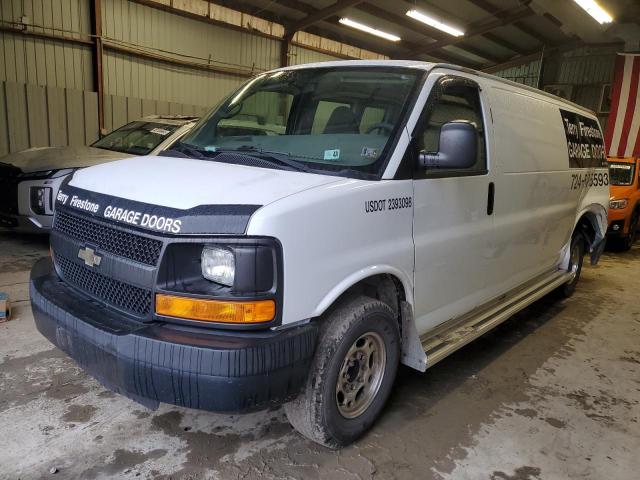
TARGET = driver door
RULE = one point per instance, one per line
(453, 210)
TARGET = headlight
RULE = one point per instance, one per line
(41, 200)
(218, 265)
(618, 204)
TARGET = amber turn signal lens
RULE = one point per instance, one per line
(215, 311)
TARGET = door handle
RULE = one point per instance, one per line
(490, 198)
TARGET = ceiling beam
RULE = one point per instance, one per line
(559, 48)
(422, 29)
(534, 55)
(298, 6)
(492, 37)
(404, 46)
(322, 14)
(480, 28)
(489, 8)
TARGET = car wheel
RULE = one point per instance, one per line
(351, 375)
(576, 257)
(630, 239)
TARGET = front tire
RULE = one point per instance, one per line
(576, 257)
(351, 375)
(628, 241)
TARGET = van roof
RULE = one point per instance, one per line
(427, 66)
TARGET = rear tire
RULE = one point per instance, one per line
(351, 375)
(576, 257)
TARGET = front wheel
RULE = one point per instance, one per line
(576, 257)
(628, 241)
(351, 375)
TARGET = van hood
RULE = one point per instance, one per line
(41, 159)
(200, 196)
(186, 183)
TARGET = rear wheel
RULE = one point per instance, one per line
(576, 257)
(351, 375)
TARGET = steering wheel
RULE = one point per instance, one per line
(381, 126)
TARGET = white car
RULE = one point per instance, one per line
(405, 209)
(29, 180)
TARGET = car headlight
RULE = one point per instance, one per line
(618, 204)
(218, 265)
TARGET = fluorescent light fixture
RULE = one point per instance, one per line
(366, 28)
(595, 10)
(432, 22)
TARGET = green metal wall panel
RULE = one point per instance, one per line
(16, 101)
(299, 55)
(25, 59)
(37, 116)
(57, 116)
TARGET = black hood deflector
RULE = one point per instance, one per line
(203, 219)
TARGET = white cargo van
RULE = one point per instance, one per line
(397, 211)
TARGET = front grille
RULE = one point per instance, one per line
(119, 294)
(129, 245)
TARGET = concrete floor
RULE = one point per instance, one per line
(551, 394)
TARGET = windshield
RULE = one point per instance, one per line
(136, 138)
(621, 173)
(340, 121)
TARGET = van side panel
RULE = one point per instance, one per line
(337, 234)
(537, 199)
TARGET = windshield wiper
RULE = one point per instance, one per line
(185, 150)
(277, 158)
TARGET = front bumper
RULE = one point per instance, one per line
(151, 362)
(26, 224)
(616, 228)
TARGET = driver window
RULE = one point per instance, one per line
(457, 102)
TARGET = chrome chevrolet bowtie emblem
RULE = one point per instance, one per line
(89, 256)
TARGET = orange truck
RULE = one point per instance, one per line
(624, 202)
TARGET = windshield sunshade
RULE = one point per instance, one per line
(136, 138)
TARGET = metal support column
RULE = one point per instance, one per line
(96, 58)
(285, 47)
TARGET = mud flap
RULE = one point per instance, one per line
(596, 251)
(412, 352)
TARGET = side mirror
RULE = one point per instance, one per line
(458, 147)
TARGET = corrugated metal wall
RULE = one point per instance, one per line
(37, 116)
(134, 86)
(299, 55)
(582, 73)
(140, 26)
(526, 74)
(25, 59)
(587, 70)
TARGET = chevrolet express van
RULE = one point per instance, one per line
(402, 210)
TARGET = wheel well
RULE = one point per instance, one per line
(384, 287)
(587, 226)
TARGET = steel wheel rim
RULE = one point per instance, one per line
(575, 262)
(360, 375)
